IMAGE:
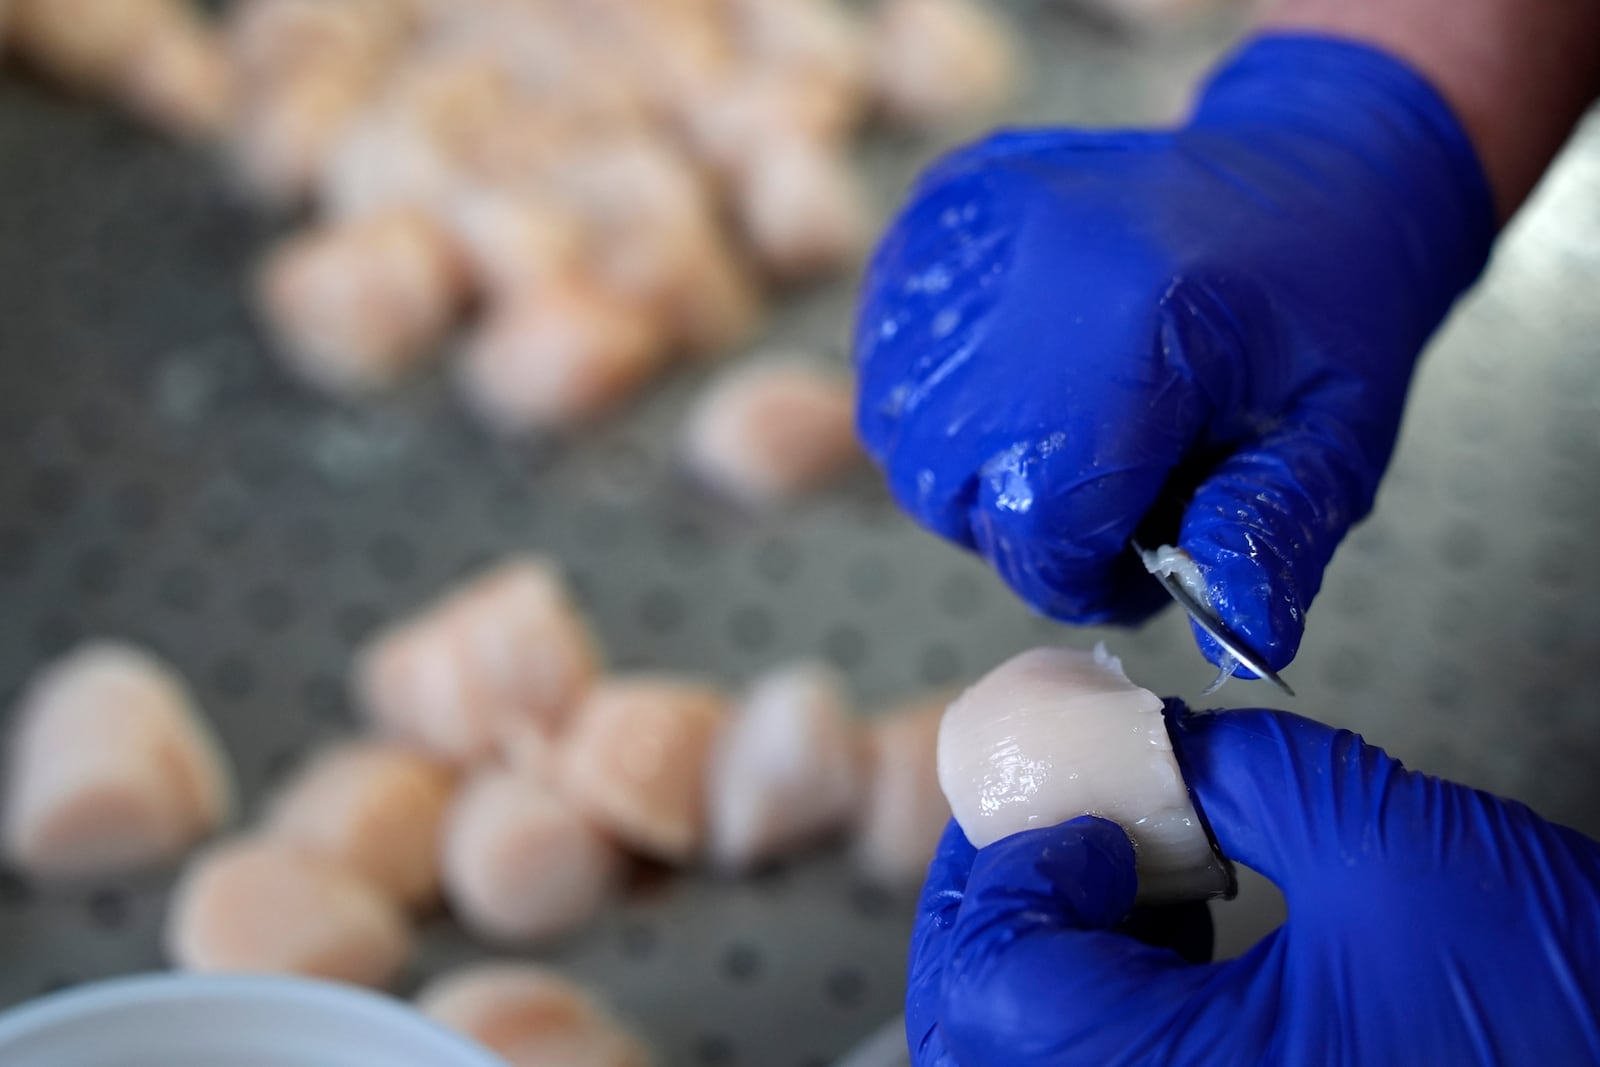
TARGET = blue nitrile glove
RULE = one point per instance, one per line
(1069, 337)
(1428, 923)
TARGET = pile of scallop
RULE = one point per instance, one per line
(584, 192)
(503, 775)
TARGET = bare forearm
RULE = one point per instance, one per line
(1518, 73)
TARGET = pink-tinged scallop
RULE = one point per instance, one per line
(653, 238)
(802, 208)
(506, 653)
(305, 70)
(374, 808)
(521, 863)
(357, 305)
(942, 61)
(784, 774)
(563, 355)
(181, 81)
(85, 44)
(770, 430)
(446, 123)
(281, 141)
(262, 906)
(821, 42)
(757, 106)
(531, 1016)
(636, 761)
(111, 767)
(514, 242)
(272, 41)
(903, 813)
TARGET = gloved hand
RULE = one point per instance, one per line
(1428, 923)
(1069, 338)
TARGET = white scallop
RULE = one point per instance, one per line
(1056, 733)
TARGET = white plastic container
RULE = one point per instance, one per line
(180, 1020)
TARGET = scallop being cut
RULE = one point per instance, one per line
(1057, 733)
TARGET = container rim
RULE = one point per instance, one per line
(81, 1003)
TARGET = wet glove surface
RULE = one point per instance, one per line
(1069, 338)
(1429, 923)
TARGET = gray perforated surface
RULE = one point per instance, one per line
(162, 481)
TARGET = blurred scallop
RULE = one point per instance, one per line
(375, 809)
(85, 44)
(637, 757)
(770, 430)
(181, 81)
(261, 906)
(563, 355)
(784, 772)
(532, 1016)
(904, 812)
(111, 766)
(802, 208)
(942, 61)
(521, 863)
(504, 654)
(354, 306)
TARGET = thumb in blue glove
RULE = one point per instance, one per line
(1428, 923)
(1205, 336)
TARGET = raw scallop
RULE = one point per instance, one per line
(654, 239)
(802, 208)
(85, 44)
(1057, 733)
(111, 766)
(264, 907)
(181, 80)
(940, 61)
(903, 813)
(771, 430)
(506, 654)
(822, 43)
(521, 863)
(560, 355)
(636, 761)
(306, 69)
(356, 305)
(784, 774)
(374, 808)
(531, 1016)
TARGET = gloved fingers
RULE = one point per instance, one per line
(937, 907)
(1263, 526)
(1035, 974)
(1283, 795)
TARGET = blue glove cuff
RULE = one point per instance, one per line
(1376, 114)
